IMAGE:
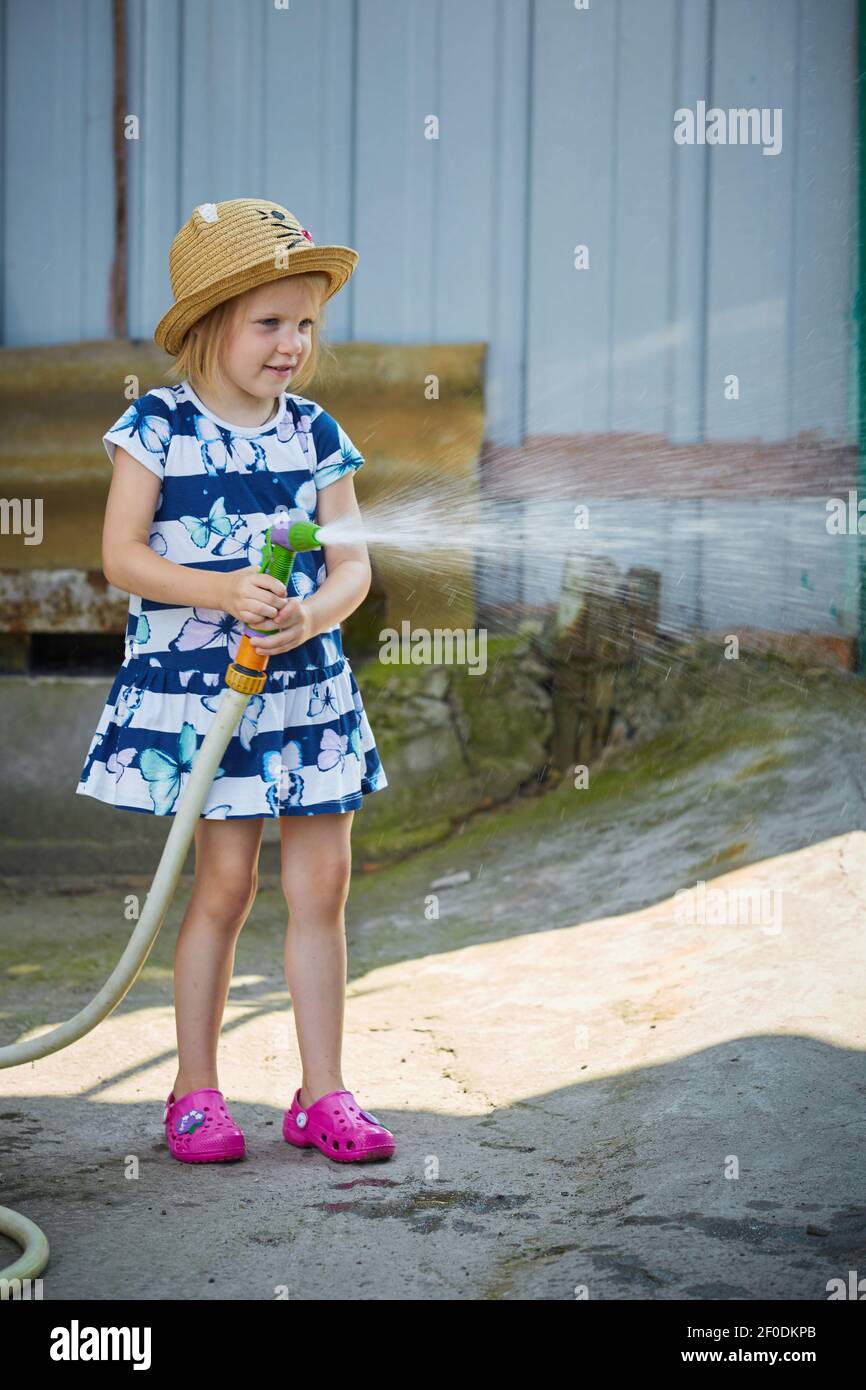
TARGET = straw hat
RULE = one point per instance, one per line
(226, 248)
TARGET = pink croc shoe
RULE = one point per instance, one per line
(199, 1128)
(338, 1126)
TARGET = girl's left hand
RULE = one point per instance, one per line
(295, 621)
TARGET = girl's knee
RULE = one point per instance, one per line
(323, 889)
(227, 895)
(226, 868)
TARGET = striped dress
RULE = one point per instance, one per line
(304, 745)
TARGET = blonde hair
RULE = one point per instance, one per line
(199, 359)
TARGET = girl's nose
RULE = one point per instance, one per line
(291, 344)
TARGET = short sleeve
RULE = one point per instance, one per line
(144, 430)
(336, 455)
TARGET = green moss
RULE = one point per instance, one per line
(378, 677)
(767, 764)
(713, 707)
(724, 856)
(633, 772)
(382, 845)
(478, 735)
(677, 751)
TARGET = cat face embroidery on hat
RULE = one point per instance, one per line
(285, 227)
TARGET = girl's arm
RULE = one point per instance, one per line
(349, 574)
(345, 588)
(129, 563)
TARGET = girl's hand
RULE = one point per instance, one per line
(295, 621)
(251, 597)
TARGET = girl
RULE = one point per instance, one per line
(201, 469)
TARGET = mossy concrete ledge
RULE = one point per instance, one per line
(451, 743)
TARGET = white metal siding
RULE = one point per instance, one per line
(556, 128)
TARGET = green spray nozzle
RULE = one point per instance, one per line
(282, 543)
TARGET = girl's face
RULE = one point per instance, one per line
(271, 336)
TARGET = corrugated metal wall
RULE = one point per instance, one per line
(57, 216)
(555, 128)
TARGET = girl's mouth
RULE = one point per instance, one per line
(279, 371)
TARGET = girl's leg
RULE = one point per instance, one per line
(316, 868)
(226, 878)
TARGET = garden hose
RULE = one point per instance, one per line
(245, 676)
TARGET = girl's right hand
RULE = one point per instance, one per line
(251, 596)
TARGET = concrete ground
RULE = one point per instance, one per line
(590, 1095)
